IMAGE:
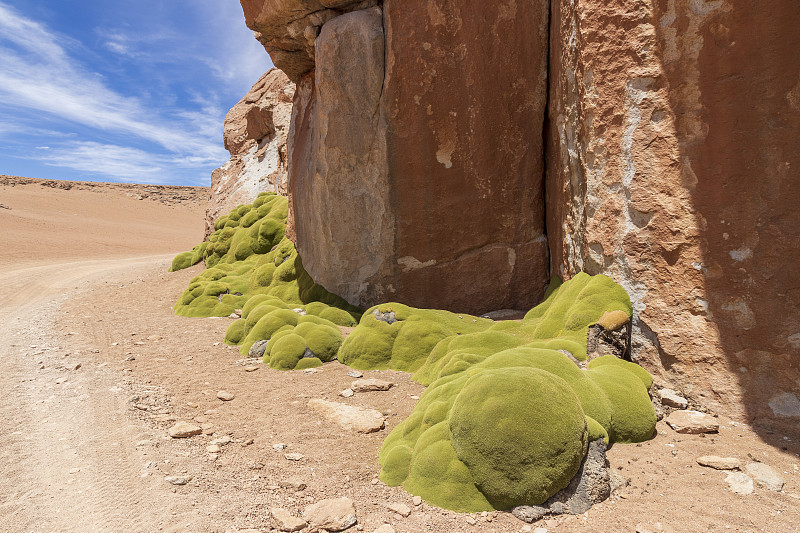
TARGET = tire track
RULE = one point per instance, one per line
(68, 449)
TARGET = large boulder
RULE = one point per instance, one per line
(411, 178)
(255, 135)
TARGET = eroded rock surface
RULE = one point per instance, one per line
(665, 173)
(255, 135)
(437, 200)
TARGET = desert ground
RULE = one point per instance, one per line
(96, 368)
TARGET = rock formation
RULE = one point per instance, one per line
(255, 135)
(672, 167)
(460, 224)
(422, 167)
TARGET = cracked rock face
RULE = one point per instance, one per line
(410, 179)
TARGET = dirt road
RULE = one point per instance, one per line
(68, 446)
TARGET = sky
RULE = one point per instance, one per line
(135, 92)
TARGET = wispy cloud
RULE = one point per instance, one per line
(122, 163)
(38, 73)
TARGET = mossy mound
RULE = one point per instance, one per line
(394, 336)
(435, 343)
(252, 266)
(507, 415)
(513, 429)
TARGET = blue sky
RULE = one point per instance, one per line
(121, 91)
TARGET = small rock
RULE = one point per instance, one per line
(416, 500)
(222, 441)
(311, 371)
(385, 528)
(765, 476)
(294, 456)
(154, 338)
(349, 417)
(346, 393)
(355, 374)
(258, 348)
(740, 483)
(76, 366)
(225, 396)
(370, 385)
(213, 448)
(250, 368)
(285, 521)
(504, 314)
(335, 514)
(292, 484)
(182, 430)
(178, 480)
(529, 513)
(471, 520)
(692, 422)
(279, 447)
(399, 508)
(672, 399)
(720, 463)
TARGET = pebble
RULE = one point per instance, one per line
(416, 500)
(371, 385)
(399, 508)
(672, 399)
(250, 368)
(285, 520)
(765, 476)
(355, 374)
(225, 396)
(292, 484)
(294, 456)
(346, 393)
(183, 430)
(692, 422)
(740, 483)
(720, 463)
(279, 447)
(214, 448)
(178, 480)
(222, 441)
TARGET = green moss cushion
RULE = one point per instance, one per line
(521, 432)
(249, 261)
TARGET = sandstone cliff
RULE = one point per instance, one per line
(255, 135)
(422, 167)
(672, 167)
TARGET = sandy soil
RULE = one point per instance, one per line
(95, 368)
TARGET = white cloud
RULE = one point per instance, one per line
(123, 163)
(37, 73)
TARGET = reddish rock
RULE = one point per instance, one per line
(437, 200)
(672, 135)
(255, 135)
(288, 28)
